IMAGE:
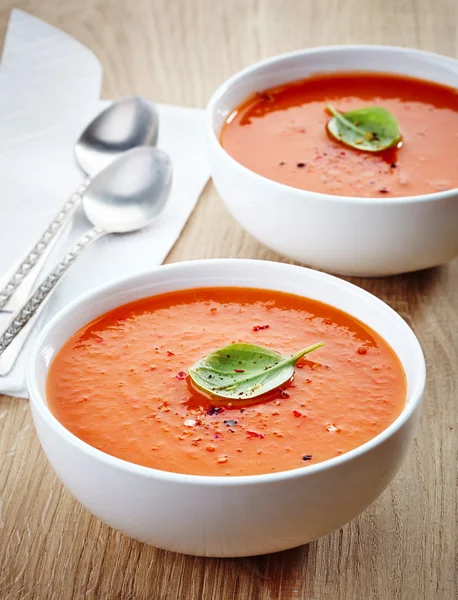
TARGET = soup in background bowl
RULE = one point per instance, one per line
(216, 515)
(357, 213)
(281, 133)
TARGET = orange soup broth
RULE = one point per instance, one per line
(281, 134)
(121, 384)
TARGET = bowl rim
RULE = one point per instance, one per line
(318, 50)
(38, 400)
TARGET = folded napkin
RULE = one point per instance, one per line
(49, 91)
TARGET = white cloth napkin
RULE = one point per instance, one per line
(49, 90)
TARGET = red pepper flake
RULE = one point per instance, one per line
(283, 394)
(299, 365)
(328, 322)
(301, 165)
(254, 434)
(308, 380)
(281, 163)
(170, 353)
(180, 376)
(393, 166)
(297, 413)
(239, 370)
(307, 457)
(384, 190)
(260, 327)
(362, 350)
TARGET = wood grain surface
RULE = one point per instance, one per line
(405, 545)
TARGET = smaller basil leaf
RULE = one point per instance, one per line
(241, 371)
(371, 129)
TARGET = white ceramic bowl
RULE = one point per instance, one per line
(340, 234)
(234, 516)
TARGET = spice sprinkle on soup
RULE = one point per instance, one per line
(286, 134)
(122, 383)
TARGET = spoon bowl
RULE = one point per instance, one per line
(129, 193)
(128, 123)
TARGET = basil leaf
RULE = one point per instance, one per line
(241, 371)
(371, 129)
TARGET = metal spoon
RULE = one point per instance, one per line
(126, 196)
(125, 124)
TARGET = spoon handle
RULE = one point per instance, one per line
(36, 301)
(27, 273)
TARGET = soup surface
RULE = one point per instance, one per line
(121, 384)
(281, 134)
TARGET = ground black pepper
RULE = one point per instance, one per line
(215, 410)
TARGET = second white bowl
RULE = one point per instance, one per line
(339, 234)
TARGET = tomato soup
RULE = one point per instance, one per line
(121, 383)
(281, 134)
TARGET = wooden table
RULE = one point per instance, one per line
(404, 546)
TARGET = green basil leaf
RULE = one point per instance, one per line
(241, 371)
(371, 129)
